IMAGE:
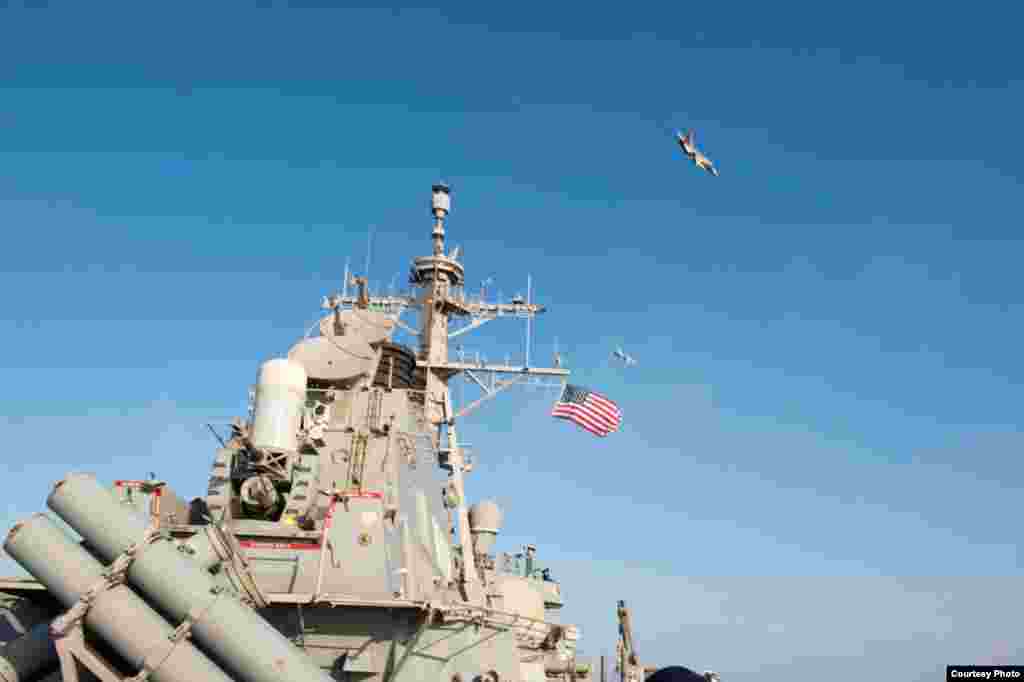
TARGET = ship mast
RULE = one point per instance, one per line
(439, 274)
(440, 278)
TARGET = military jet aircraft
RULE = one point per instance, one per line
(690, 149)
(627, 360)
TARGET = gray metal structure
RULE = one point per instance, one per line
(335, 540)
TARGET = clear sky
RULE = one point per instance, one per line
(825, 413)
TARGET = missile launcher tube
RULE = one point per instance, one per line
(231, 632)
(27, 656)
(117, 615)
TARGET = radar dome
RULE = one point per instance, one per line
(277, 411)
(484, 524)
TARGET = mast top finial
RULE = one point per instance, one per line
(441, 200)
(440, 204)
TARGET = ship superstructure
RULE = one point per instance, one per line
(335, 540)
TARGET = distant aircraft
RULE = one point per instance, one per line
(621, 355)
(690, 149)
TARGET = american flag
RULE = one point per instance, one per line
(588, 409)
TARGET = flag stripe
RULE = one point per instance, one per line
(599, 411)
(604, 404)
(597, 416)
(586, 424)
(582, 414)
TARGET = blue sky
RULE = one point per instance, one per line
(828, 333)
